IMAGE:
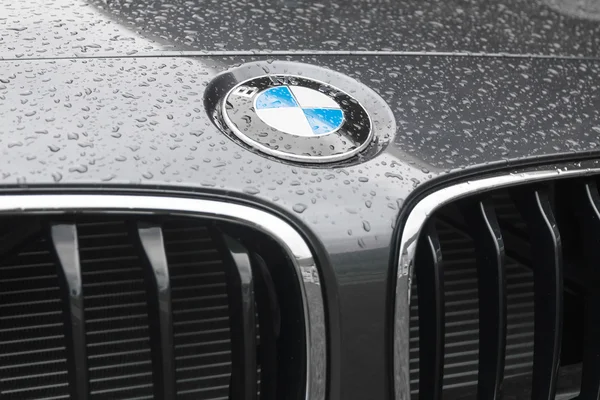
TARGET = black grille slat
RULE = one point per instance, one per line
(481, 219)
(430, 280)
(125, 306)
(269, 327)
(546, 252)
(243, 324)
(150, 238)
(66, 249)
(589, 206)
(540, 254)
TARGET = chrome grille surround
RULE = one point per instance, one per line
(278, 229)
(414, 222)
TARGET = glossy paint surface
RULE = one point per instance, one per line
(141, 123)
(92, 96)
(68, 27)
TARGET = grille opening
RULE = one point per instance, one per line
(458, 265)
(131, 345)
(290, 361)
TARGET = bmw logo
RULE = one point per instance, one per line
(297, 118)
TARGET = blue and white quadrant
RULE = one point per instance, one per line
(299, 111)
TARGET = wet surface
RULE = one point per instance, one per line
(117, 116)
(141, 122)
(38, 28)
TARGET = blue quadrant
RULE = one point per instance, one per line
(324, 120)
(276, 97)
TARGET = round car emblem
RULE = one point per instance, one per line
(297, 118)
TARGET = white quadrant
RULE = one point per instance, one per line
(310, 98)
(289, 120)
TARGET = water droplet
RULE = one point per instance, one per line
(390, 175)
(57, 176)
(129, 96)
(299, 208)
(251, 190)
(54, 149)
(81, 169)
(366, 226)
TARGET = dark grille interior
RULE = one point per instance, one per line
(32, 345)
(96, 307)
(504, 296)
(200, 313)
(116, 312)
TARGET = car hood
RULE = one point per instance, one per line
(111, 96)
(40, 28)
(142, 121)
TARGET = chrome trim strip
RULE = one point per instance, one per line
(291, 52)
(408, 244)
(277, 228)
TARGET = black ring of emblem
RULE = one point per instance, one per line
(240, 116)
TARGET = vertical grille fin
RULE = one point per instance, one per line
(521, 290)
(65, 247)
(589, 216)
(430, 281)
(243, 321)
(483, 227)
(132, 307)
(546, 251)
(269, 327)
(150, 237)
